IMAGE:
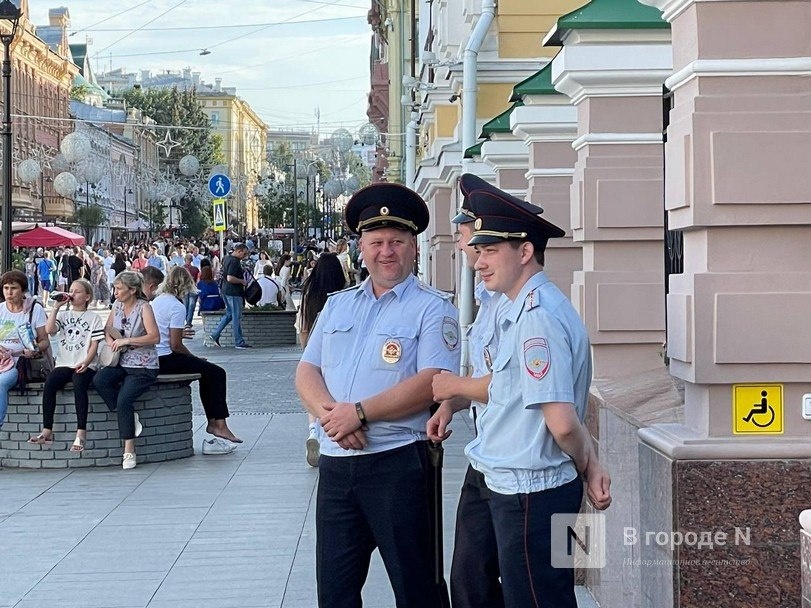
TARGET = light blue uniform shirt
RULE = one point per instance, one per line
(483, 335)
(364, 345)
(544, 357)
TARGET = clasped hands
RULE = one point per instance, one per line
(342, 425)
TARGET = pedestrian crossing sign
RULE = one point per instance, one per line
(219, 214)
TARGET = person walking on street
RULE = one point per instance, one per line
(233, 290)
(531, 445)
(366, 376)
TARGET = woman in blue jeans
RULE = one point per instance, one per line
(137, 369)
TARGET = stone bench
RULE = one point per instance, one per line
(165, 411)
(260, 328)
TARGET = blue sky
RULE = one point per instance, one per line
(285, 70)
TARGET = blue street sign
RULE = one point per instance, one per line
(219, 185)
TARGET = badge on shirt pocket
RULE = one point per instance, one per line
(392, 351)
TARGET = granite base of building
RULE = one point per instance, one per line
(695, 521)
(720, 531)
(165, 412)
(259, 328)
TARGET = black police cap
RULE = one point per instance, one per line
(467, 184)
(502, 217)
(386, 205)
(470, 183)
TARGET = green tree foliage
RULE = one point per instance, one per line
(182, 108)
(89, 218)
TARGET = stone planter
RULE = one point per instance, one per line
(260, 328)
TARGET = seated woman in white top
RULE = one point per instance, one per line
(78, 333)
(175, 358)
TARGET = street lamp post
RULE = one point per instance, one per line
(11, 14)
(295, 212)
(126, 192)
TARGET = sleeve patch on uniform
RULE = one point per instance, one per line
(537, 359)
(450, 332)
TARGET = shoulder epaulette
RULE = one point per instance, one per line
(433, 290)
(532, 300)
(334, 293)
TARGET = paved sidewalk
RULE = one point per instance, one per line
(222, 531)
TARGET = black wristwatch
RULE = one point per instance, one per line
(361, 416)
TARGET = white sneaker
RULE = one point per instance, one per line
(218, 445)
(128, 461)
(139, 428)
(313, 450)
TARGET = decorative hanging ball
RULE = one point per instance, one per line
(189, 165)
(65, 184)
(29, 170)
(76, 147)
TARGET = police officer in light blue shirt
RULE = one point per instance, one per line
(474, 570)
(531, 446)
(366, 375)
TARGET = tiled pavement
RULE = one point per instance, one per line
(220, 531)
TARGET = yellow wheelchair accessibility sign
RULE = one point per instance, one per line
(757, 409)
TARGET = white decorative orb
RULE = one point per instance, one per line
(65, 184)
(218, 170)
(75, 147)
(59, 163)
(189, 165)
(29, 170)
(352, 183)
(92, 171)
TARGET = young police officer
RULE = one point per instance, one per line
(474, 569)
(366, 375)
(531, 444)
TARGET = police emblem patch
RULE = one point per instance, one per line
(450, 332)
(392, 351)
(537, 359)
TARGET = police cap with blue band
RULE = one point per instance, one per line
(386, 205)
(502, 217)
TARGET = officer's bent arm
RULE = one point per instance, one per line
(312, 389)
(408, 397)
(571, 436)
(475, 389)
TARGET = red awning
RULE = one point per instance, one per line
(47, 236)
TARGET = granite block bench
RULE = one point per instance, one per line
(165, 411)
(260, 328)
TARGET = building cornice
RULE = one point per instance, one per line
(609, 139)
(617, 70)
(773, 66)
(548, 123)
(506, 154)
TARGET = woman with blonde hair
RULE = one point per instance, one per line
(78, 332)
(175, 358)
(121, 386)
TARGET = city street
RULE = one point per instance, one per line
(225, 531)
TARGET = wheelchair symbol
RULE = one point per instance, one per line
(759, 409)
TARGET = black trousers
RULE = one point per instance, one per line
(56, 380)
(120, 387)
(474, 571)
(374, 501)
(523, 529)
(212, 381)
